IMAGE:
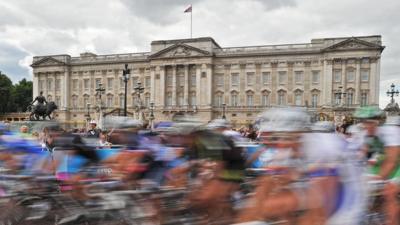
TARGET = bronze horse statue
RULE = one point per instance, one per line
(43, 111)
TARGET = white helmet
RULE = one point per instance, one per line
(285, 120)
(93, 122)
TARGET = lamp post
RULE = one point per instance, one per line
(223, 110)
(392, 92)
(151, 117)
(125, 77)
(99, 91)
(88, 112)
(138, 90)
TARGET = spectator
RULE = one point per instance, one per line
(93, 132)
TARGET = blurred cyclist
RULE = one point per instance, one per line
(382, 149)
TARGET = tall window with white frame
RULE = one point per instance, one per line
(193, 79)
(350, 74)
(266, 78)
(298, 95)
(50, 84)
(110, 83)
(169, 80)
(98, 82)
(282, 77)
(250, 78)
(135, 100)
(234, 99)
(364, 98)
(147, 99)
(180, 99)
(235, 79)
(75, 84)
(169, 99)
(75, 102)
(249, 98)
(147, 82)
(58, 84)
(110, 102)
(350, 97)
(364, 75)
(193, 98)
(314, 100)
(265, 98)
(219, 99)
(121, 101)
(298, 77)
(85, 101)
(315, 76)
(86, 84)
(338, 98)
(281, 97)
(337, 76)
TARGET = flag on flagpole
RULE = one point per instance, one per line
(188, 9)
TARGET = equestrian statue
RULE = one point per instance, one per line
(42, 109)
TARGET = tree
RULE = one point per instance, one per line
(6, 90)
(22, 95)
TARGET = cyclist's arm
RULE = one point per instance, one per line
(392, 155)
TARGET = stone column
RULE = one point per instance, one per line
(65, 89)
(373, 82)
(160, 101)
(198, 85)
(290, 83)
(357, 85)
(152, 83)
(186, 87)
(35, 85)
(174, 85)
(274, 83)
(209, 84)
(343, 80)
(327, 83)
(227, 84)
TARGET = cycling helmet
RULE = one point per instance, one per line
(368, 112)
(285, 120)
(323, 126)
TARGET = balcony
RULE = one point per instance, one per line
(177, 108)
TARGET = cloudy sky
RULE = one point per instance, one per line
(42, 27)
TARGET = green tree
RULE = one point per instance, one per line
(22, 95)
(6, 91)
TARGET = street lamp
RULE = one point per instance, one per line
(223, 110)
(99, 91)
(125, 77)
(392, 92)
(151, 117)
(139, 89)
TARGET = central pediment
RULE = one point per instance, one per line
(354, 44)
(179, 51)
(48, 61)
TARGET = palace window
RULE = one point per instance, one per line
(338, 98)
(314, 100)
(181, 80)
(86, 84)
(180, 99)
(147, 82)
(337, 76)
(298, 95)
(58, 101)
(315, 77)
(193, 79)
(298, 77)
(350, 98)
(249, 98)
(350, 75)
(110, 102)
(169, 80)
(281, 97)
(121, 83)
(134, 82)
(235, 79)
(98, 82)
(147, 99)
(282, 77)
(85, 101)
(58, 84)
(74, 102)
(234, 99)
(135, 101)
(110, 83)
(364, 98)
(193, 98)
(219, 79)
(365, 75)
(250, 79)
(266, 77)
(121, 101)
(265, 98)
(75, 84)
(169, 99)
(219, 99)
(50, 84)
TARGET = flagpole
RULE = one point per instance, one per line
(191, 22)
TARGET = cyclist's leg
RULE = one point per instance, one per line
(391, 205)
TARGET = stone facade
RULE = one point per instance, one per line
(197, 76)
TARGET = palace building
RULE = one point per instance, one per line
(328, 76)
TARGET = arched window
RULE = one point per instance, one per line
(110, 101)
(364, 98)
(219, 99)
(298, 97)
(85, 100)
(265, 98)
(350, 97)
(281, 97)
(314, 98)
(74, 102)
(234, 99)
(249, 98)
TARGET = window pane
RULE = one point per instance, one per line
(350, 98)
(337, 75)
(266, 77)
(147, 82)
(86, 84)
(249, 100)
(110, 83)
(314, 100)
(264, 100)
(364, 75)
(298, 99)
(98, 81)
(75, 85)
(58, 84)
(282, 77)
(121, 101)
(298, 76)
(235, 79)
(193, 79)
(350, 75)
(250, 79)
(315, 76)
(169, 80)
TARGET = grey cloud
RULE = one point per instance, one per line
(9, 61)
(276, 4)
